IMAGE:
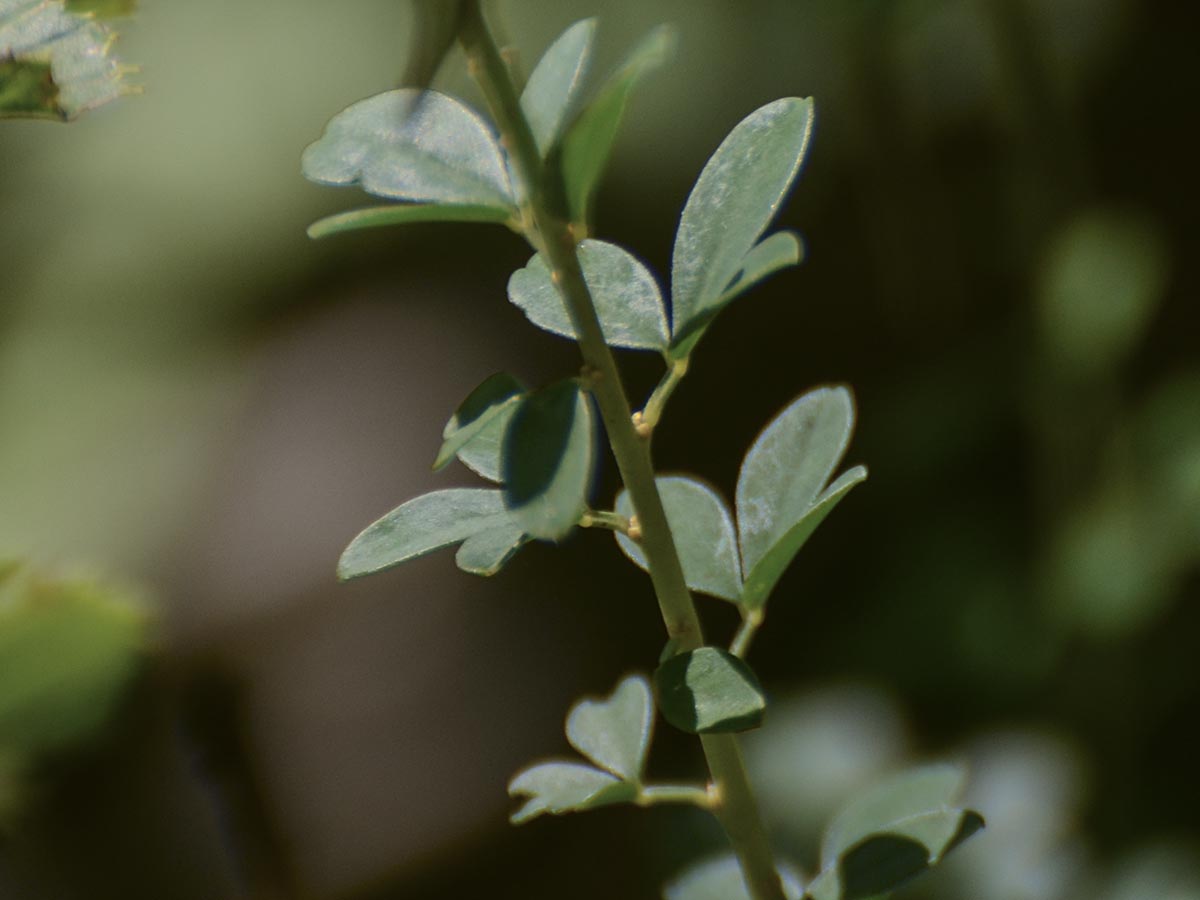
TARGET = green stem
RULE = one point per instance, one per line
(735, 804)
(603, 518)
(751, 622)
(652, 413)
(653, 794)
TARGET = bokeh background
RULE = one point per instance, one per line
(198, 401)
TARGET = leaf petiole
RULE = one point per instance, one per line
(649, 417)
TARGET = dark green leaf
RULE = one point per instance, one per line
(489, 551)
(614, 732)
(768, 256)
(709, 690)
(562, 787)
(490, 401)
(415, 146)
(406, 214)
(703, 532)
(737, 195)
(589, 141)
(35, 34)
(422, 525)
(721, 879)
(780, 496)
(548, 456)
(625, 294)
(554, 86)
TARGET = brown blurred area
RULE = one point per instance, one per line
(998, 210)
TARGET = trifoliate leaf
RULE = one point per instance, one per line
(562, 787)
(493, 400)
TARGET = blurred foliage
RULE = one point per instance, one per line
(998, 212)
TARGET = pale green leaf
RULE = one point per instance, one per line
(614, 732)
(412, 145)
(422, 525)
(562, 787)
(721, 879)
(708, 690)
(589, 140)
(553, 88)
(766, 573)
(783, 477)
(490, 401)
(406, 214)
(780, 250)
(737, 195)
(548, 457)
(906, 794)
(68, 650)
(54, 63)
(625, 295)
(888, 859)
(489, 551)
(703, 532)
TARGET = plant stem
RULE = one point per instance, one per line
(736, 806)
(653, 794)
(745, 633)
(653, 410)
(603, 518)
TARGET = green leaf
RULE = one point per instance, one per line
(422, 525)
(708, 690)
(736, 197)
(68, 650)
(626, 296)
(412, 145)
(553, 87)
(780, 250)
(497, 395)
(892, 833)
(562, 787)
(908, 793)
(589, 141)
(885, 861)
(54, 62)
(780, 496)
(614, 732)
(548, 457)
(703, 532)
(489, 551)
(721, 879)
(406, 214)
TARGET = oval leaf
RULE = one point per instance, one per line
(547, 459)
(626, 296)
(490, 401)
(589, 141)
(412, 145)
(422, 525)
(703, 532)
(562, 787)
(736, 197)
(614, 733)
(708, 690)
(768, 256)
(721, 879)
(553, 87)
(785, 470)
